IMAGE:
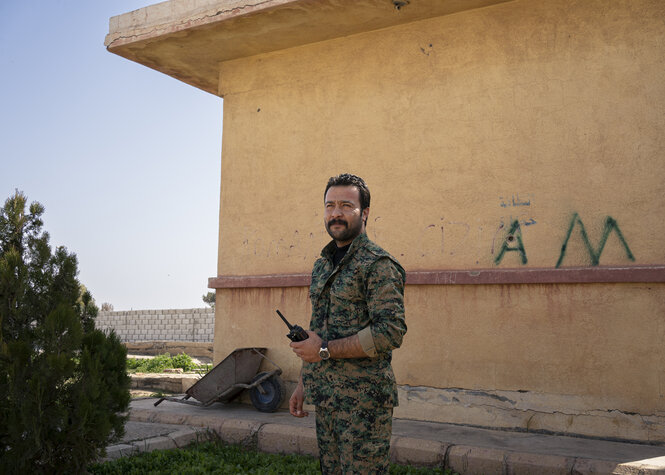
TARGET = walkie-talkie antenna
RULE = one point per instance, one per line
(296, 333)
(285, 320)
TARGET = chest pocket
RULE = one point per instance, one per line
(348, 305)
(320, 276)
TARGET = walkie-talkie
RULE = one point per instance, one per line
(296, 333)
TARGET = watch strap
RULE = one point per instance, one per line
(324, 353)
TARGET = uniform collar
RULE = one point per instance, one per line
(357, 243)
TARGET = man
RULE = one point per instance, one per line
(357, 295)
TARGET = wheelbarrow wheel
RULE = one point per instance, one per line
(268, 395)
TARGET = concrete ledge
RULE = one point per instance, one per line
(187, 39)
(239, 431)
(465, 450)
(307, 443)
(591, 466)
(467, 459)
(121, 450)
(147, 437)
(278, 439)
(538, 463)
(654, 465)
(408, 451)
(187, 436)
(508, 410)
(530, 412)
(156, 443)
(530, 275)
(282, 439)
(167, 382)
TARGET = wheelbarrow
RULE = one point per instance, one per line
(234, 374)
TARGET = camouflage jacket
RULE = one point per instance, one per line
(364, 294)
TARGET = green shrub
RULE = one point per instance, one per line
(63, 384)
(158, 363)
(183, 361)
(164, 361)
(133, 364)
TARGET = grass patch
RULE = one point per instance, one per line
(165, 361)
(219, 458)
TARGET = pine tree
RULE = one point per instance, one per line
(63, 384)
(209, 298)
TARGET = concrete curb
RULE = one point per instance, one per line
(413, 443)
(177, 437)
(410, 451)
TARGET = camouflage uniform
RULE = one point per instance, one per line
(354, 398)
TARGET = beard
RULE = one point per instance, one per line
(348, 230)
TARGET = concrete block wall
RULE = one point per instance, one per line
(193, 324)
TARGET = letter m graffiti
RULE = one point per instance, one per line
(594, 254)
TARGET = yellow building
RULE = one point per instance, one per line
(515, 151)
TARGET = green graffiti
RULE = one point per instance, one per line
(610, 225)
(514, 235)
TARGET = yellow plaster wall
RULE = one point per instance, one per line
(530, 111)
(557, 104)
(595, 340)
(247, 318)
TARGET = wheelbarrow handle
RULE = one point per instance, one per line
(159, 401)
(278, 370)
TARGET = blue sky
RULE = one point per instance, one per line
(126, 160)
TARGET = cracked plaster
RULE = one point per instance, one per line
(529, 411)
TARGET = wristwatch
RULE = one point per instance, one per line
(323, 352)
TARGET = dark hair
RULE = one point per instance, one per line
(346, 179)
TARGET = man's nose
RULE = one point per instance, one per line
(336, 211)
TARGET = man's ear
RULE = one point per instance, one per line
(365, 215)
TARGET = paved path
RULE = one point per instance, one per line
(463, 449)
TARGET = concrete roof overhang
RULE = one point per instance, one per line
(187, 39)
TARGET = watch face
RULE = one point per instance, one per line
(324, 353)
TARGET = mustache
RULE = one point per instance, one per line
(337, 221)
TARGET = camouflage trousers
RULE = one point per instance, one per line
(355, 441)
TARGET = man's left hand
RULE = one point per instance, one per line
(308, 350)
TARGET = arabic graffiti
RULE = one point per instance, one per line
(524, 215)
(515, 201)
(610, 225)
(523, 219)
(468, 241)
(512, 243)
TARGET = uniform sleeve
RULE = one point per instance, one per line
(385, 302)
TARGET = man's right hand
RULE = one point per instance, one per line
(296, 401)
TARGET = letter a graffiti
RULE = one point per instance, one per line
(514, 236)
(610, 225)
